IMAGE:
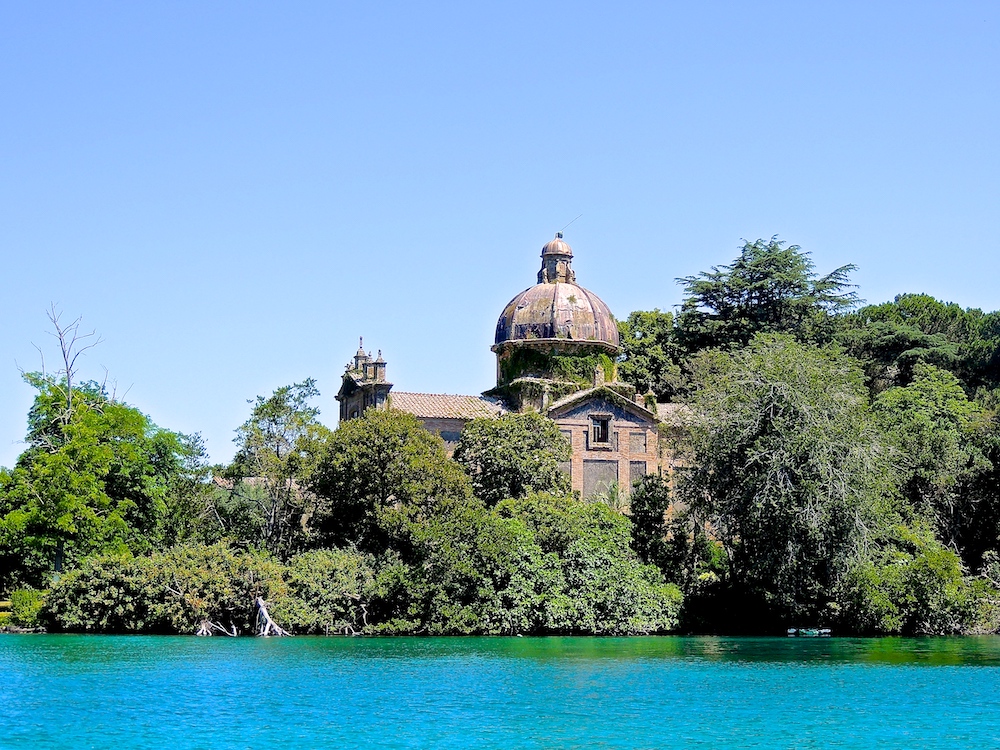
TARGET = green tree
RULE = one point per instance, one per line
(278, 447)
(769, 288)
(934, 428)
(513, 455)
(650, 500)
(377, 471)
(982, 354)
(789, 470)
(96, 476)
(979, 495)
(909, 583)
(895, 337)
(650, 357)
(477, 572)
(672, 536)
(602, 588)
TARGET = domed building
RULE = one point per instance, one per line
(554, 338)
(556, 313)
(556, 344)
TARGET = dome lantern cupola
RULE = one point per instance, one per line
(557, 261)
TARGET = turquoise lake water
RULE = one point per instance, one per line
(129, 693)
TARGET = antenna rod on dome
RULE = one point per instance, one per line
(564, 228)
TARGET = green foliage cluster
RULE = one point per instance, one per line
(167, 592)
(25, 606)
(398, 542)
(278, 447)
(841, 467)
(893, 338)
(566, 569)
(845, 464)
(97, 477)
(650, 354)
(769, 288)
(510, 456)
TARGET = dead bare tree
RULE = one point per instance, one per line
(265, 625)
(72, 343)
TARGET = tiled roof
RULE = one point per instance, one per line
(445, 405)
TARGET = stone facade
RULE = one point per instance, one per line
(615, 442)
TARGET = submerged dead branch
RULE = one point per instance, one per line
(265, 625)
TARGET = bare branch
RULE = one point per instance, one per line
(70, 348)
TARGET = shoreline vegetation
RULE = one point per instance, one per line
(838, 466)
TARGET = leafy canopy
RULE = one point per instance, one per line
(278, 447)
(650, 355)
(97, 476)
(375, 472)
(788, 467)
(769, 288)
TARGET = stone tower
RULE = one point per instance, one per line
(363, 385)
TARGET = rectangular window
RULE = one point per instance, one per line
(636, 471)
(637, 442)
(602, 432)
(598, 477)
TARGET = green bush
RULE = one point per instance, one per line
(197, 583)
(328, 592)
(25, 605)
(544, 564)
(479, 573)
(169, 592)
(107, 594)
(911, 585)
(601, 586)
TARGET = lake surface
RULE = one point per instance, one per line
(129, 693)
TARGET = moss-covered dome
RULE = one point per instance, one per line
(556, 309)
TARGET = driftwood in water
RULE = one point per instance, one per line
(265, 625)
(207, 627)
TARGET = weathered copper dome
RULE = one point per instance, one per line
(557, 309)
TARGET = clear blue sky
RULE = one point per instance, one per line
(232, 193)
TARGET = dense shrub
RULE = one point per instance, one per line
(107, 594)
(604, 588)
(543, 564)
(328, 592)
(479, 572)
(169, 592)
(912, 585)
(25, 605)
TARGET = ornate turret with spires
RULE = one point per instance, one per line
(363, 385)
